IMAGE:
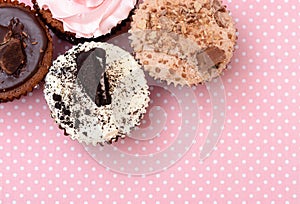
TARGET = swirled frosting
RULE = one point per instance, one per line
(89, 18)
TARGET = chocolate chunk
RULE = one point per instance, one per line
(3, 31)
(16, 28)
(210, 57)
(77, 114)
(80, 59)
(103, 96)
(57, 105)
(221, 16)
(91, 73)
(12, 56)
(56, 97)
(217, 5)
(221, 19)
(77, 123)
(66, 112)
(87, 112)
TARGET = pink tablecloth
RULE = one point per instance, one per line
(255, 161)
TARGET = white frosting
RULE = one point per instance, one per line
(128, 89)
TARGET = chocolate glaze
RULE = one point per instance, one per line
(34, 44)
(91, 67)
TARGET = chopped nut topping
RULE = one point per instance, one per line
(197, 6)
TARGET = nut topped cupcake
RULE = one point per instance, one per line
(183, 42)
(73, 19)
(25, 50)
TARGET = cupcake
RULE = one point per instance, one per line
(96, 92)
(25, 50)
(80, 19)
(183, 42)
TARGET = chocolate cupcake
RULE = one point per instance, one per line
(25, 50)
(183, 42)
(78, 21)
(96, 92)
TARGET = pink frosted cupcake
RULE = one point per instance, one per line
(87, 19)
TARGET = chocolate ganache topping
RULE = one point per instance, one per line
(22, 45)
(91, 74)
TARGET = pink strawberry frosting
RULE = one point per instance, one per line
(89, 18)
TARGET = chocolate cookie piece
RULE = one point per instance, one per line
(183, 42)
(25, 50)
(96, 92)
(91, 67)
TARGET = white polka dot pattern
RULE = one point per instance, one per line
(255, 161)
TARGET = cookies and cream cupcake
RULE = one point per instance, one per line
(183, 42)
(96, 92)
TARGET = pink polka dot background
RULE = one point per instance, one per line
(255, 161)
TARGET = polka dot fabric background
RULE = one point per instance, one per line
(255, 161)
